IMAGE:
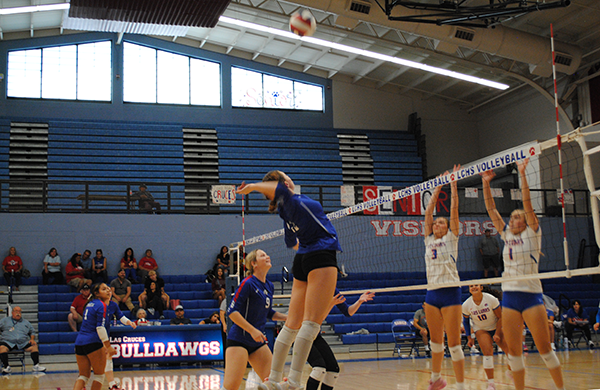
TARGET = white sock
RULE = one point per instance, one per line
(460, 386)
(435, 376)
(491, 380)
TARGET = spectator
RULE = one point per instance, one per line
(160, 287)
(218, 285)
(76, 315)
(421, 329)
(75, 273)
(490, 253)
(213, 319)
(146, 265)
(141, 318)
(577, 317)
(147, 202)
(179, 317)
(99, 274)
(222, 259)
(52, 268)
(13, 268)
(597, 324)
(153, 302)
(129, 264)
(121, 290)
(18, 334)
(86, 261)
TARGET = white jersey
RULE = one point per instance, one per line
(521, 256)
(440, 259)
(482, 315)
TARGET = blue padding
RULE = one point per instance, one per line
(184, 295)
(202, 294)
(385, 338)
(49, 338)
(351, 339)
(368, 338)
(46, 306)
(49, 349)
(67, 337)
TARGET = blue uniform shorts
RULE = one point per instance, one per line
(521, 301)
(443, 297)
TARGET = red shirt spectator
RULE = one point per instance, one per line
(79, 303)
(148, 263)
(74, 272)
(12, 263)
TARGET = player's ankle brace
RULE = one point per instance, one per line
(436, 347)
(457, 353)
(517, 363)
(551, 360)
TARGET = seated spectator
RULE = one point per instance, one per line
(146, 265)
(121, 290)
(179, 317)
(16, 333)
(99, 274)
(130, 266)
(76, 315)
(218, 285)
(52, 268)
(86, 261)
(213, 319)
(597, 324)
(141, 318)
(153, 301)
(147, 202)
(421, 329)
(578, 318)
(75, 273)
(13, 268)
(160, 284)
(222, 259)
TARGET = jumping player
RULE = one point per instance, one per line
(443, 305)
(249, 310)
(522, 300)
(484, 310)
(315, 272)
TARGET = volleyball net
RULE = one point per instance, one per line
(384, 235)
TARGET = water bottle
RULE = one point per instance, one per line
(566, 343)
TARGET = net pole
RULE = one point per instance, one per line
(559, 145)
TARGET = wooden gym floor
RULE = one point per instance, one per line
(369, 370)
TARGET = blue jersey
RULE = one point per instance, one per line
(305, 220)
(253, 300)
(112, 310)
(94, 315)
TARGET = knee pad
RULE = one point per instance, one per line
(83, 378)
(551, 360)
(456, 353)
(318, 373)
(309, 330)
(109, 365)
(488, 362)
(99, 378)
(331, 378)
(517, 363)
(436, 347)
(287, 335)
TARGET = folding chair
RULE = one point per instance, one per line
(403, 333)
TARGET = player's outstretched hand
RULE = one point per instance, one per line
(487, 175)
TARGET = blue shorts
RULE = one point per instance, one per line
(443, 297)
(521, 301)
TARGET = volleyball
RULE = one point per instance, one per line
(303, 23)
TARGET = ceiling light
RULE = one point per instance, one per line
(365, 53)
(34, 8)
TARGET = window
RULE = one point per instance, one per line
(157, 76)
(74, 72)
(253, 89)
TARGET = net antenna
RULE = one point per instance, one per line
(559, 145)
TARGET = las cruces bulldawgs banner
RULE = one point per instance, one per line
(166, 344)
(496, 161)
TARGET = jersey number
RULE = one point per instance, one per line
(434, 253)
(482, 317)
(510, 253)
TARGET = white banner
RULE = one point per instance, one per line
(223, 194)
(347, 195)
(471, 192)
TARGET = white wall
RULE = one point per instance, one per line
(452, 134)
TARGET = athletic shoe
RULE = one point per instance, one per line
(115, 387)
(474, 350)
(592, 345)
(525, 347)
(38, 368)
(553, 346)
(267, 385)
(437, 385)
(491, 386)
(6, 370)
(151, 310)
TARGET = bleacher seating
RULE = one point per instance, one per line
(56, 337)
